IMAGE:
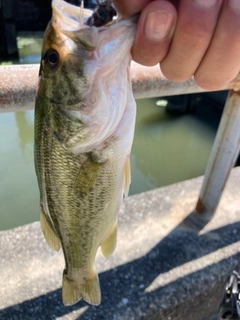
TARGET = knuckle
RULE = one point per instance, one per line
(175, 75)
(210, 83)
(195, 33)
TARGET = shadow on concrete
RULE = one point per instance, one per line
(123, 288)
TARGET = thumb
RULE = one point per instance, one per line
(155, 30)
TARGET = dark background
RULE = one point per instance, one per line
(25, 16)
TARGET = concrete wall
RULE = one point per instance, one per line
(162, 269)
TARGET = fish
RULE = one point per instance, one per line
(83, 133)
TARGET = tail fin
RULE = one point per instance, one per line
(72, 291)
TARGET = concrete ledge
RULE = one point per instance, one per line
(162, 269)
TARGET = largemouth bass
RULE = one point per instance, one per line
(84, 126)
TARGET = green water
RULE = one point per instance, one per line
(29, 50)
(166, 150)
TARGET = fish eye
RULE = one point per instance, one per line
(51, 58)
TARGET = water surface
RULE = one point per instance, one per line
(166, 149)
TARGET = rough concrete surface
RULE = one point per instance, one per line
(161, 269)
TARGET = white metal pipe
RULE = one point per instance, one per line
(223, 156)
(18, 85)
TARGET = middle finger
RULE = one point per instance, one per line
(195, 26)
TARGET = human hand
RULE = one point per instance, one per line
(199, 38)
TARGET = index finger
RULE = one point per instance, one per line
(127, 8)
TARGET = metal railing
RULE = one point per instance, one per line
(18, 85)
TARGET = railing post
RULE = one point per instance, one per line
(224, 153)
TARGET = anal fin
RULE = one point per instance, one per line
(89, 290)
(109, 244)
(48, 232)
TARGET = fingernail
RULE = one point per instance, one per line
(206, 3)
(234, 3)
(158, 25)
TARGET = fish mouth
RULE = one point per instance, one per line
(70, 21)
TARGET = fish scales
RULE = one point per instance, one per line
(68, 198)
(84, 125)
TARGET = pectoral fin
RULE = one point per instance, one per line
(48, 231)
(87, 176)
(127, 176)
(109, 244)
